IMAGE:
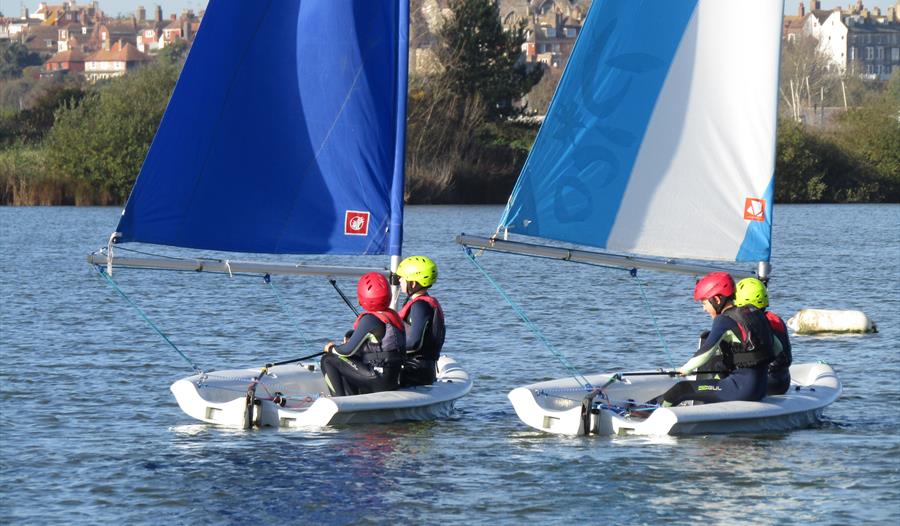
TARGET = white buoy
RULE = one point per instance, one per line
(811, 321)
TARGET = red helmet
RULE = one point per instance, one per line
(714, 284)
(373, 292)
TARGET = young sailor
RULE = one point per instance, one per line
(423, 318)
(743, 339)
(370, 359)
(751, 291)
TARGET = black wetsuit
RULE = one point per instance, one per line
(779, 369)
(745, 380)
(369, 362)
(425, 333)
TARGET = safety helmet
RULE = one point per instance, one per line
(420, 269)
(751, 291)
(714, 284)
(373, 292)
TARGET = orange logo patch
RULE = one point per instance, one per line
(755, 209)
(356, 223)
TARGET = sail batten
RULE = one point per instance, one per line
(660, 138)
(283, 138)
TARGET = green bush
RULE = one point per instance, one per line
(101, 141)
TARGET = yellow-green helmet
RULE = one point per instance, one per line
(420, 269)
(751, 291)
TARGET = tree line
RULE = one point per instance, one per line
(72, 143)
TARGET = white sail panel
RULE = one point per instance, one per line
(709, 150)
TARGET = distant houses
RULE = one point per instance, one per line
(79, 39)
(552, 26)
(113, 62)
(856, 40)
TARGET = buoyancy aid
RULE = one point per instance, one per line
(434, 340)
(779, 329)
(756, 347)
(391, 350)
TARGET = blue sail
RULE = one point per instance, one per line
(660, 139)
(284, 133)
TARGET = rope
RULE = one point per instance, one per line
(152, 325)
(652, 317)
(531, 326)
(287, 310)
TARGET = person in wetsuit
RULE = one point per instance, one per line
(751, 291)
(370, 359)
(423, 319)
(740, 344)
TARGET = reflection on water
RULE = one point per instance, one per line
(91, 434)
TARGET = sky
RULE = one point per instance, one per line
(113, 7)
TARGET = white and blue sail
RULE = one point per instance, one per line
(285, 133)
(660, 139)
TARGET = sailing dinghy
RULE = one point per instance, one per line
(658, 147)
(285, 135)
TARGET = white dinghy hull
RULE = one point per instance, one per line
(559, 406)
(220, 397)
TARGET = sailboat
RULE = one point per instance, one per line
(658, 149)
(285, 134)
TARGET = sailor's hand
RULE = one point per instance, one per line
(328, 347)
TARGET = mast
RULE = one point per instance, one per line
(764, 267)
(397, 185)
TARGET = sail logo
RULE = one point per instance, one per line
(755, 209)
(356, 223)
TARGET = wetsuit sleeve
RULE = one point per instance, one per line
(777, 347)
(723, 329)
(369, 328)
(420, 316)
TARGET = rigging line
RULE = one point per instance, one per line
(287, 310)
(343, 296)
(662, 340)
(531, 326)
(124, 249)
(152, 325)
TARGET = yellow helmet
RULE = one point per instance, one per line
(751, 291)
(420, 269)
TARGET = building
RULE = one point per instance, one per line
(64, 63)
(553, 27)
(184, 27)
(873, 46)
(855, 40)
(793, 24)
(114, 62)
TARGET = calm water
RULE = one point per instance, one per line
(91, 434)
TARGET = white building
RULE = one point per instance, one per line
(114, 62)
(860, 41)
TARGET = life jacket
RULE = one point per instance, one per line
(391, 350)
(434, 338)
(776, 322)
(756, 347)
(779, 329)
